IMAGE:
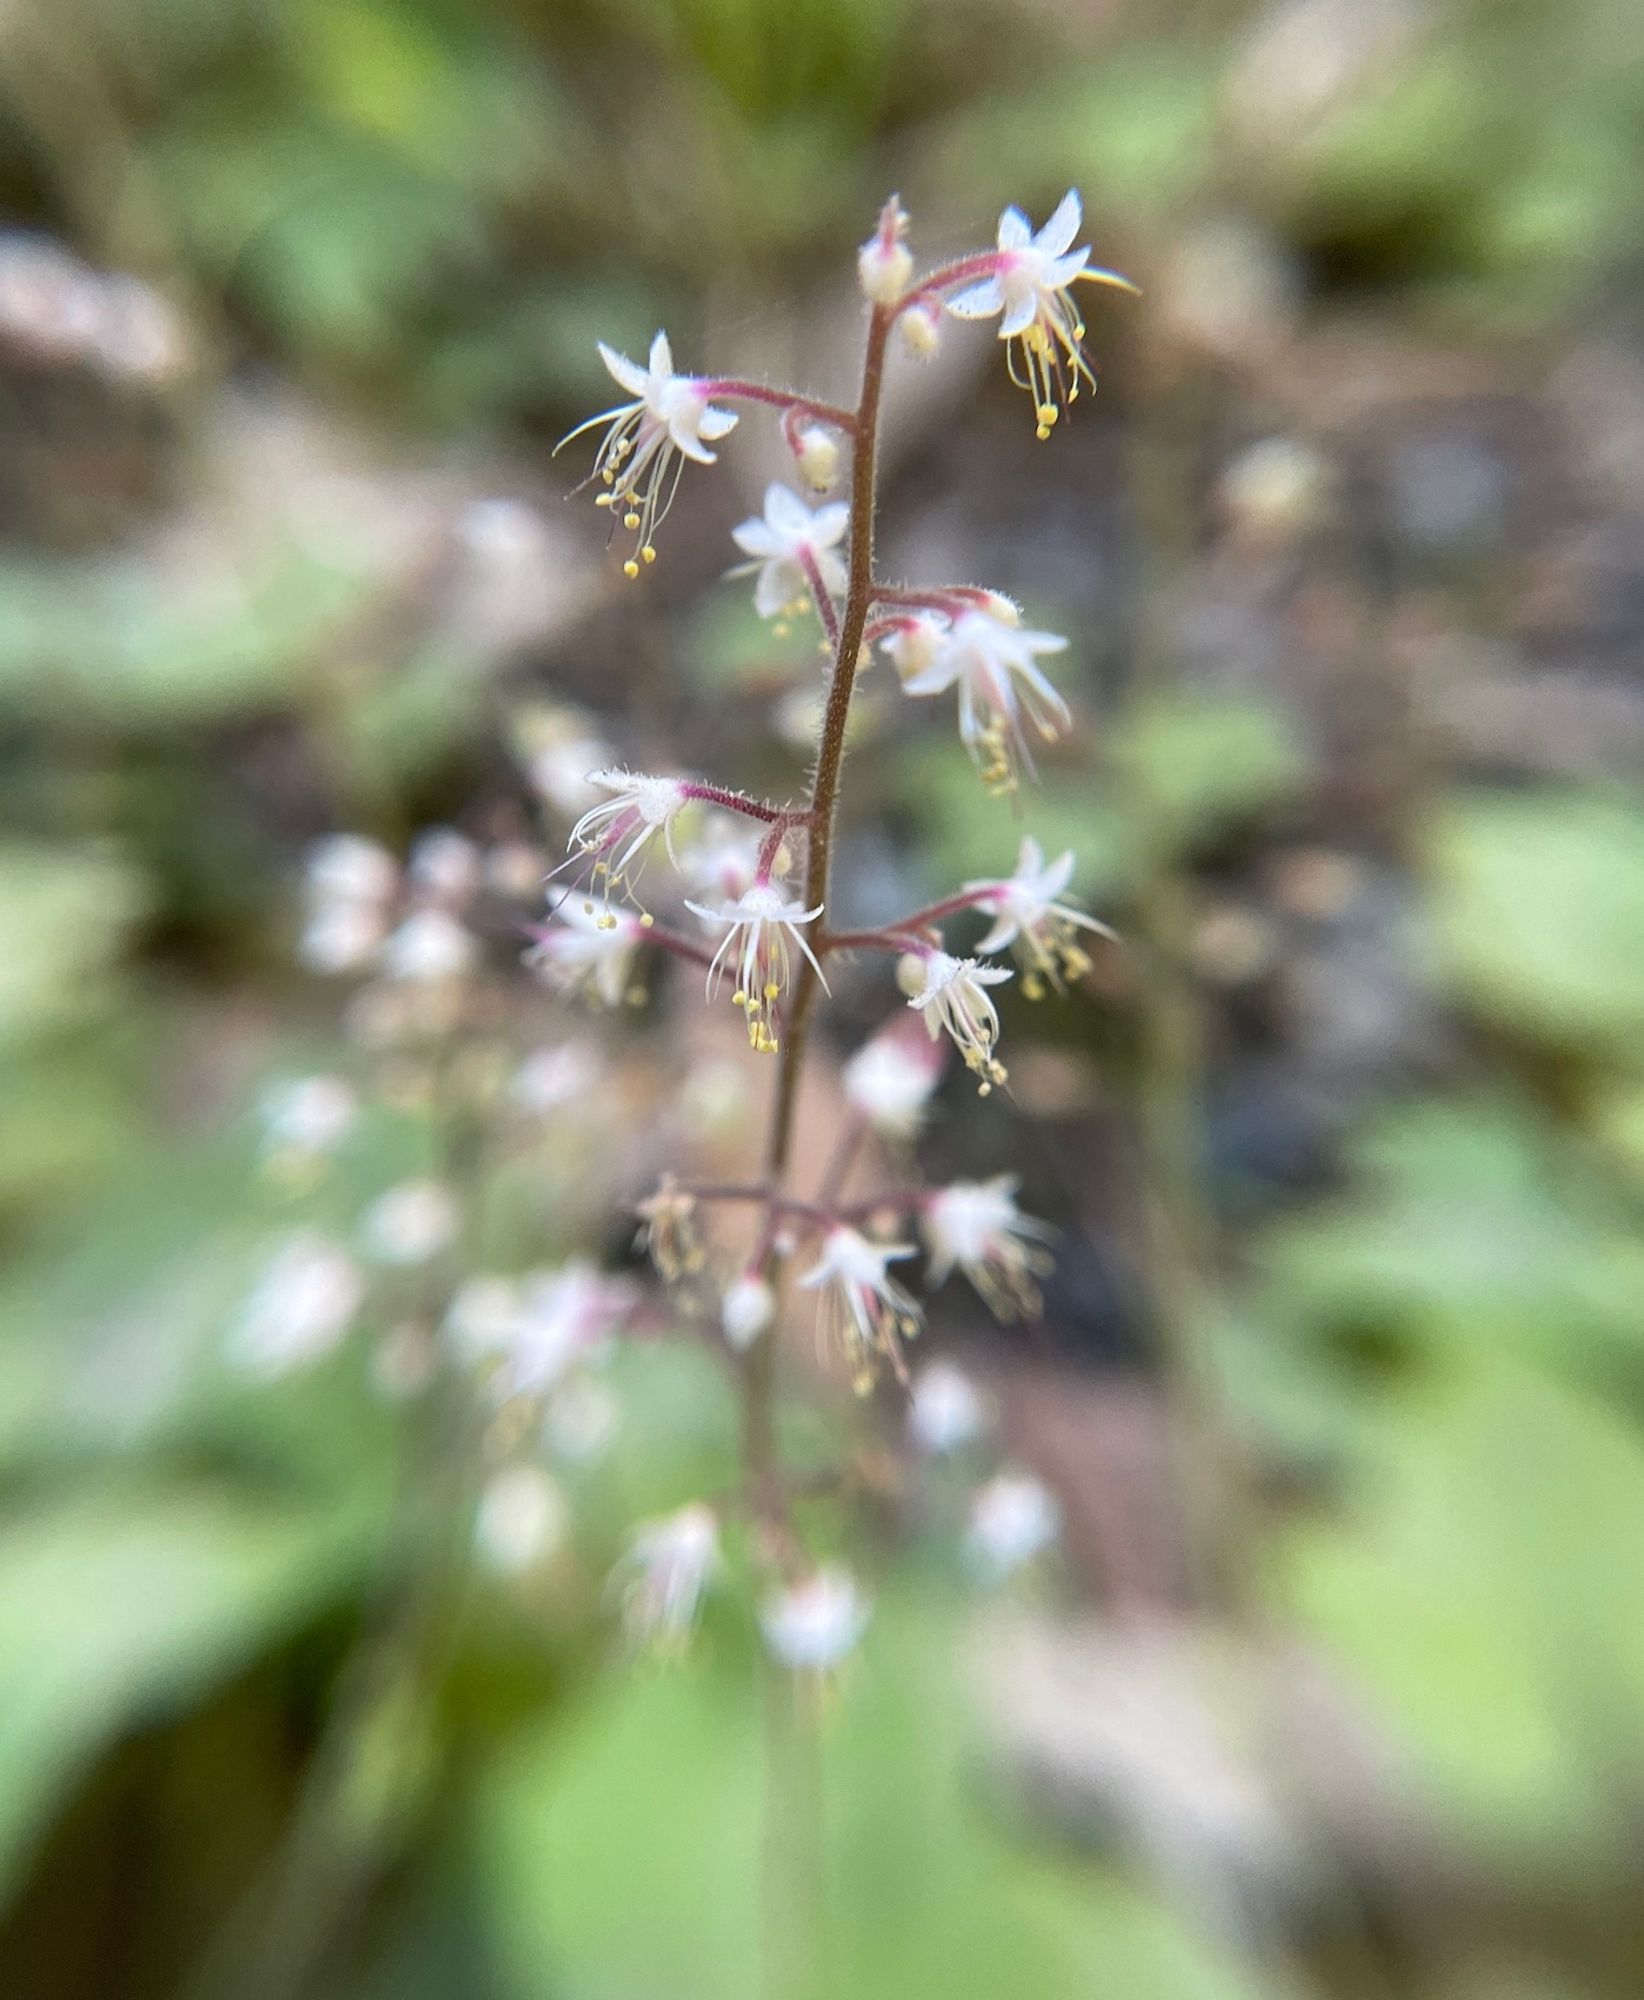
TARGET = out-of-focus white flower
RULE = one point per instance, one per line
(1275, 491)
(950, 993)
(884, 264)
(816, 455)
(945, 1411)
(782, 541)
(522, 1520)
(861, 1305)
(723, 859)
(977, 1225)
(588, 948)
(581, 1420)
(411, 1223)
(1012, 1519)
(514, 868)
(567, 1316)
(558, 747)
(665, 1571)
(992, 663)
(890, 1079)
(747, 1309)
(428, 949)
(811, 1626)
(1042, 932)
(762, 931)
(347, 868)
(549, 1078)
(483, 1318)
(620, 828)
(672, 416)
(301, 1306)
(445, 864)
(341, 937)
(308, 1115)
(1028, 290)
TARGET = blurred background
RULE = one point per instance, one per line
(1337, 1686)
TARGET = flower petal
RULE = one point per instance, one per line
(662, 355)
(1062, 227)
(777, 585)
(715, 424)
(1020, 314)
(978, 301)
(1015, 231)
(754, 538)
(828, 524)
(785, 511)
(628, 373)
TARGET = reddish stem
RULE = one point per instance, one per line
(819, 595)
(962, 271)
(737, 802)
(729, 386)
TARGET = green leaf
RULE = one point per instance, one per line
(123, 1605)
(1538, 910)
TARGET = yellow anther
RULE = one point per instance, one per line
(1048, 413)
(648, 553)
(604, 499)
(630, 568)
(1042, 432)
(772, 990)
(646, 920)
(630, 519)
(739, 998)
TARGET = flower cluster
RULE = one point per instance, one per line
(742, 890)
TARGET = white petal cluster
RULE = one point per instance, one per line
(977, 1226)
(950, 995)
(588, 947)
(303, 1303)
(672, 417)
(813, 1625)
(1028, 292)
(665, 1572)
(889, 1081)
(1013, 1518)
(946, 1411)
(411, 1223)
(862, 1307)
(635, 809)
(764, 929)
(993, 663)
(787, 542)
(1030, 919)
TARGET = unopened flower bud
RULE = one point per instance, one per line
(747, 1310)
(817, 456)
(884, 264)
(910, 973)
(921, 329)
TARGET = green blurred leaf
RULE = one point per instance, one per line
(1538, 910)
(1201, 758)
(65, 914)
(122, 1605)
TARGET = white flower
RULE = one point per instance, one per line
(429, 948)
(914, 645)
(521, 1521)
(950, 993)
(992, 663)
(558, 748)
(567, 1315)
(411, 1223)
(1028, 288)
(301, 1306)
(347, 868)
(747, 1309)
(620, 828)
(812, 1625)
(977, 1225)
(862, 1305)
(664, 1572)
(445, 864)
(308, 1115)
(890, 1079)
(762, 932)
(588, 947)
(672, 416)
(1012, 1519)
(549, 1078)
(780, 542)
(483, 1318)
(723, 859)
(945, 1411)
(341, 937)
(1027, 917)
